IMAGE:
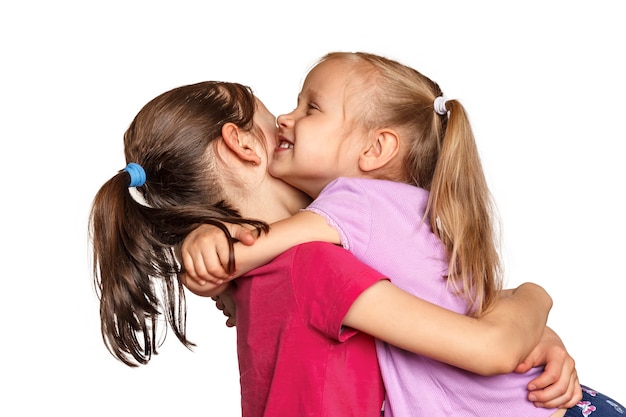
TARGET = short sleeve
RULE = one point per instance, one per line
(346, 206)
(327, 281)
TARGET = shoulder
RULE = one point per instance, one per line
(327, 280)
(318, 255)
(331, 265)
(371, 186)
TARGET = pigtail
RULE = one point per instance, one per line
(122, 265)
(461, 213)
(441, 158)
(135, 266)
(174, 187)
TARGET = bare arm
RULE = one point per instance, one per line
(205, 251)
(492, 344)
(302, 227)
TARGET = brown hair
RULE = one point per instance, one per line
(441, 157)
(134, 264)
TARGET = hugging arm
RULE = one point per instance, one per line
(511, 334)
(489, 345)
(510, 337)
(205, 250)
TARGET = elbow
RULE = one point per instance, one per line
(505, 365)
(501, 354)
(497, 365)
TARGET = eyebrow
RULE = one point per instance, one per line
(312, 95)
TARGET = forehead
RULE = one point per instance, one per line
(334, 73)
(330, 79)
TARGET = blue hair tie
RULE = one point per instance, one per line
(137, 174)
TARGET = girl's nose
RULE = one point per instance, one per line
(284, 120)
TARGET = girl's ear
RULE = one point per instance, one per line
(239, 143)
(381, 151)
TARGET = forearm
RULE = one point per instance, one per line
(491, 344)
(300, 228)
(518, 321)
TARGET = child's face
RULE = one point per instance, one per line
(319, 141)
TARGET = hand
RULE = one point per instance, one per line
(205, 290)
(205, 253)
(558, 385)
(225, 302)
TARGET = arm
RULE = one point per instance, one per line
(558, 385)
(205, 250)
(492, 344)
(302, 227)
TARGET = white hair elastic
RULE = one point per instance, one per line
(440, 105)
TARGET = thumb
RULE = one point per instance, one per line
(524, 366)
(242, 234)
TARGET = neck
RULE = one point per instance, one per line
(273, 200)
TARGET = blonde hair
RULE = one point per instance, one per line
(440, 155)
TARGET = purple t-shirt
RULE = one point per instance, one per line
(381, 222)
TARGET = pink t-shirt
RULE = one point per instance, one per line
(295, 358)
(381, 223)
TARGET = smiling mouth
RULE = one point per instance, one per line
(285, 145)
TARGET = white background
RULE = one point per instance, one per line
(543, 83)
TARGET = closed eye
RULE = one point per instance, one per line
(312, 106)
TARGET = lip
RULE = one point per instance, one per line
(281, 140)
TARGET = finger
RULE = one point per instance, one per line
(190, 282)
(564, 390)
(187, 265)
(189, 254)
(559, 398)
(219, 304)
(214, 253)
(577, 395)
(219, 265)
(523, 367)
(193, 266)
(202, 264)
(243, 234)
(198, 252)
(559, 366)
(547, 378)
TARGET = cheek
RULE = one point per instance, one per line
(309, 130)
(270, 138)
